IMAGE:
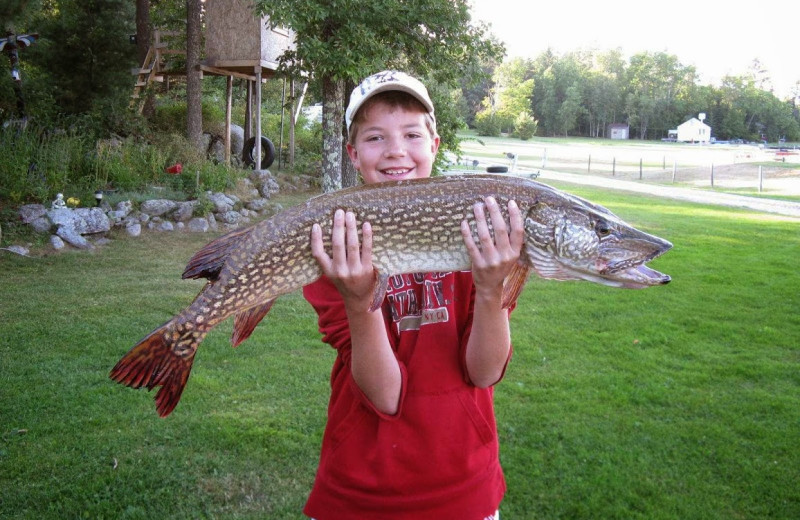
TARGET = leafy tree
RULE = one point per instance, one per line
(349, 39)
(85, 51)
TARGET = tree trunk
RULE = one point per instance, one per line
(332, 118)
(143, 29)
(194, 107)
(349, 173)
(144, 36)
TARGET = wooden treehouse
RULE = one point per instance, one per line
(238, 44)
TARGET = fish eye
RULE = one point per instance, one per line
(601, 228)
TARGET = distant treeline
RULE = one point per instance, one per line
(581, 93)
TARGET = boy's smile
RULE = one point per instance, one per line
(393, 144)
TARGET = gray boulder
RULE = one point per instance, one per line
(91, 220)
(29, 213)
(73, 238)
(157, 207)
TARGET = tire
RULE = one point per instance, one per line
(267, 152)
(497, 169)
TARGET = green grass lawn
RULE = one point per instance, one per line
(676, 402)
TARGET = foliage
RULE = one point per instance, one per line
(40, 162)
(349, 40)
(525, 126)
(487, 123)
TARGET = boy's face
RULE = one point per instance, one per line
(393, 143)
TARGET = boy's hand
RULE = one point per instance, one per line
(350, 269)
(493, 259)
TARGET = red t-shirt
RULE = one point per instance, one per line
(437, 457)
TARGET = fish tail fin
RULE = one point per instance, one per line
(155, 361)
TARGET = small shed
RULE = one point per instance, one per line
(240, 43)
(693, 131)
(618, 131)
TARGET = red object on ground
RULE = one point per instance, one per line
(175, 168)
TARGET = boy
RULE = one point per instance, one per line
(411, 430)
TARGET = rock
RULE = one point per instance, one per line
(62, 217)
(257, 205)
(198, 225)
(134, 229)
(125, 206)
(157, 207)
(165, 225)
(237, 140)
(91, 220)
(18, 250)
(212, 222)
(102, 241)
(231, 217)
(57, 243)
(180, 226)
(222, 203)
(29, 213)
(216, 151)
(73, 238)
(42, 224)
(265, 183)
(184, 211)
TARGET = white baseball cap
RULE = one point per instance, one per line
(384, 82)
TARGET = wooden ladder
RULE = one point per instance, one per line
(152, 68)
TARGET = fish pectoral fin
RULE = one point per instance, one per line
(379, 291)
(208, 261)
(514, 283)
(246, 321)
(152, 362)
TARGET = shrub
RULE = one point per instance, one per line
(487, 124)
(525, 126)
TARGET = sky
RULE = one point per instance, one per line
(717, 37)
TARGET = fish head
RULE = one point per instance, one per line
(573, 239)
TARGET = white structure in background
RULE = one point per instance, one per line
(618, 131)
(693, 131)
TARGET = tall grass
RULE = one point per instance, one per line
(677, 402)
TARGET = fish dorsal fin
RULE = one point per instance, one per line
(208, 262)
(379, 291)
(245, 322)
(514, 283)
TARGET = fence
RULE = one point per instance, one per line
(753, 169)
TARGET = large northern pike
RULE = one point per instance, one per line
(416, 228)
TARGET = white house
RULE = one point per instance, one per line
(693, 131)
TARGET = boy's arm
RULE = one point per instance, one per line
(373, 364)
(492, 260)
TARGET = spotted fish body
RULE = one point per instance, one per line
(416, 228)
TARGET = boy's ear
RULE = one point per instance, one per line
(353, 154)
(435, 145)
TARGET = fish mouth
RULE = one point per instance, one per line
(633, 273)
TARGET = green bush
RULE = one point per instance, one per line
(487, 124)
(525, 126)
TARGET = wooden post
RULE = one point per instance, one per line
(257, 158)
(760, 178)
(613, 166)
(712, 175)
(674, 170)
(640, 169)
(228, 109)
(589, 167)
(248, 112)
(544, 158)
(664, 163)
